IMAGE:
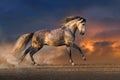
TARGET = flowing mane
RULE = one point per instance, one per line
(70, 18)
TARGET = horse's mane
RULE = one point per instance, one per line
(70, 18)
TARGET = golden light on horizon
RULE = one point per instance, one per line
(89, 46)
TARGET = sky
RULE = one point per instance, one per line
(102, 36)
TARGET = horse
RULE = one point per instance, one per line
(63, 35)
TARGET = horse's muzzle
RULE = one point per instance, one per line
(82, 33)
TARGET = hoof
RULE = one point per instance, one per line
(84, 58)
(73, 63)
(36, 64)
(70, 61)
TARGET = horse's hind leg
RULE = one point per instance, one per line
(25, 53)
(32, 53)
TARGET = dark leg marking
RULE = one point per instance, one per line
(25, 53)
(32, 53)
(69, 53)
(78, 48)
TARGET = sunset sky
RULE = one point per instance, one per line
(102, 36)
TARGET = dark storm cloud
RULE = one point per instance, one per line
(103, 44)
(104, 12)
(20, 16)
(103, 48)
(110, 34)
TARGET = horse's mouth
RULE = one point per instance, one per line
(82, 33)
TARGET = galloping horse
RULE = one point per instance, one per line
(64, 35)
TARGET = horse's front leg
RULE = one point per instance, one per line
(78, 48)
(70, 55)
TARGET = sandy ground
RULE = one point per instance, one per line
(62, 72)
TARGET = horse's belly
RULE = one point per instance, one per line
(54, 43)
(54, 40)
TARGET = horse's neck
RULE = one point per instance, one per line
(72, 27)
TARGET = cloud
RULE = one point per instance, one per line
(103, 48)
(103, 44)
(110, 34)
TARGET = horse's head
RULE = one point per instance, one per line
(81, 25)
(75, 22)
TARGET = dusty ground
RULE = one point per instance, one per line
(62, 72)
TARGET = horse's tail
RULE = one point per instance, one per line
(22, 42)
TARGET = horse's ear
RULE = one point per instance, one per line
(82, 20)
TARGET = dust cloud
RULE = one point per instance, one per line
(47, 55)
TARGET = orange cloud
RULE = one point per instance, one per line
(101, 40)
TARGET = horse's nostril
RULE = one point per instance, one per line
(82, 33)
